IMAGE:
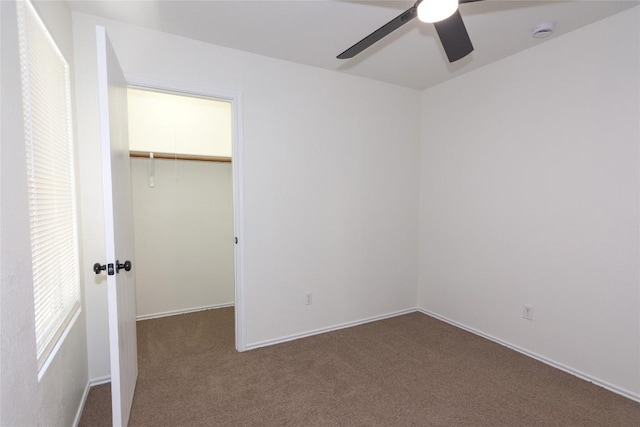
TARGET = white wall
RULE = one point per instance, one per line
(330, 181)
(529, 195)
(183, 228)
(54, 400)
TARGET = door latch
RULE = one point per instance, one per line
(97, 268)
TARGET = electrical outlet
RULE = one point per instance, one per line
(527, 312)
(308, 298)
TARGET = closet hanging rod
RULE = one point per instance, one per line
(171, 156)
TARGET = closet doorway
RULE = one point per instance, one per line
(182, 178)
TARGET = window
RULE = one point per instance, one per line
(51, 182)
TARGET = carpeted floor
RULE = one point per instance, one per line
(410, 370)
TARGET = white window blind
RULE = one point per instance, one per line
(51, 181)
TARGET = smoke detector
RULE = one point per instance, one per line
(542, 30)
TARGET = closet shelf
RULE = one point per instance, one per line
(173, 156)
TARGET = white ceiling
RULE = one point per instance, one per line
(313, 32)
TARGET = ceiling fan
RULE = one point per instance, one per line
(445, 17)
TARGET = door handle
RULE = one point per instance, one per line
(97, 268)
(126, 266)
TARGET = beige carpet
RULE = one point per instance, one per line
(410, 370)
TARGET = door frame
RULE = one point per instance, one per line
(237, 167)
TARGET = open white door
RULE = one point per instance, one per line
(118, 229)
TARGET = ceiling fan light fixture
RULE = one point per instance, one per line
(542, 30)
(436, 10)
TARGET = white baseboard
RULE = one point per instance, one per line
(293, 337)
(184, 311)
(99, 381)
(76, 420)
(85, 394)
(626, 393)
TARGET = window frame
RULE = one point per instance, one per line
(52, 185)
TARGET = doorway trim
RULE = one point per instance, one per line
(237, 166)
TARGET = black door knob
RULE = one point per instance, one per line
(126, 266)
(97, 267)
